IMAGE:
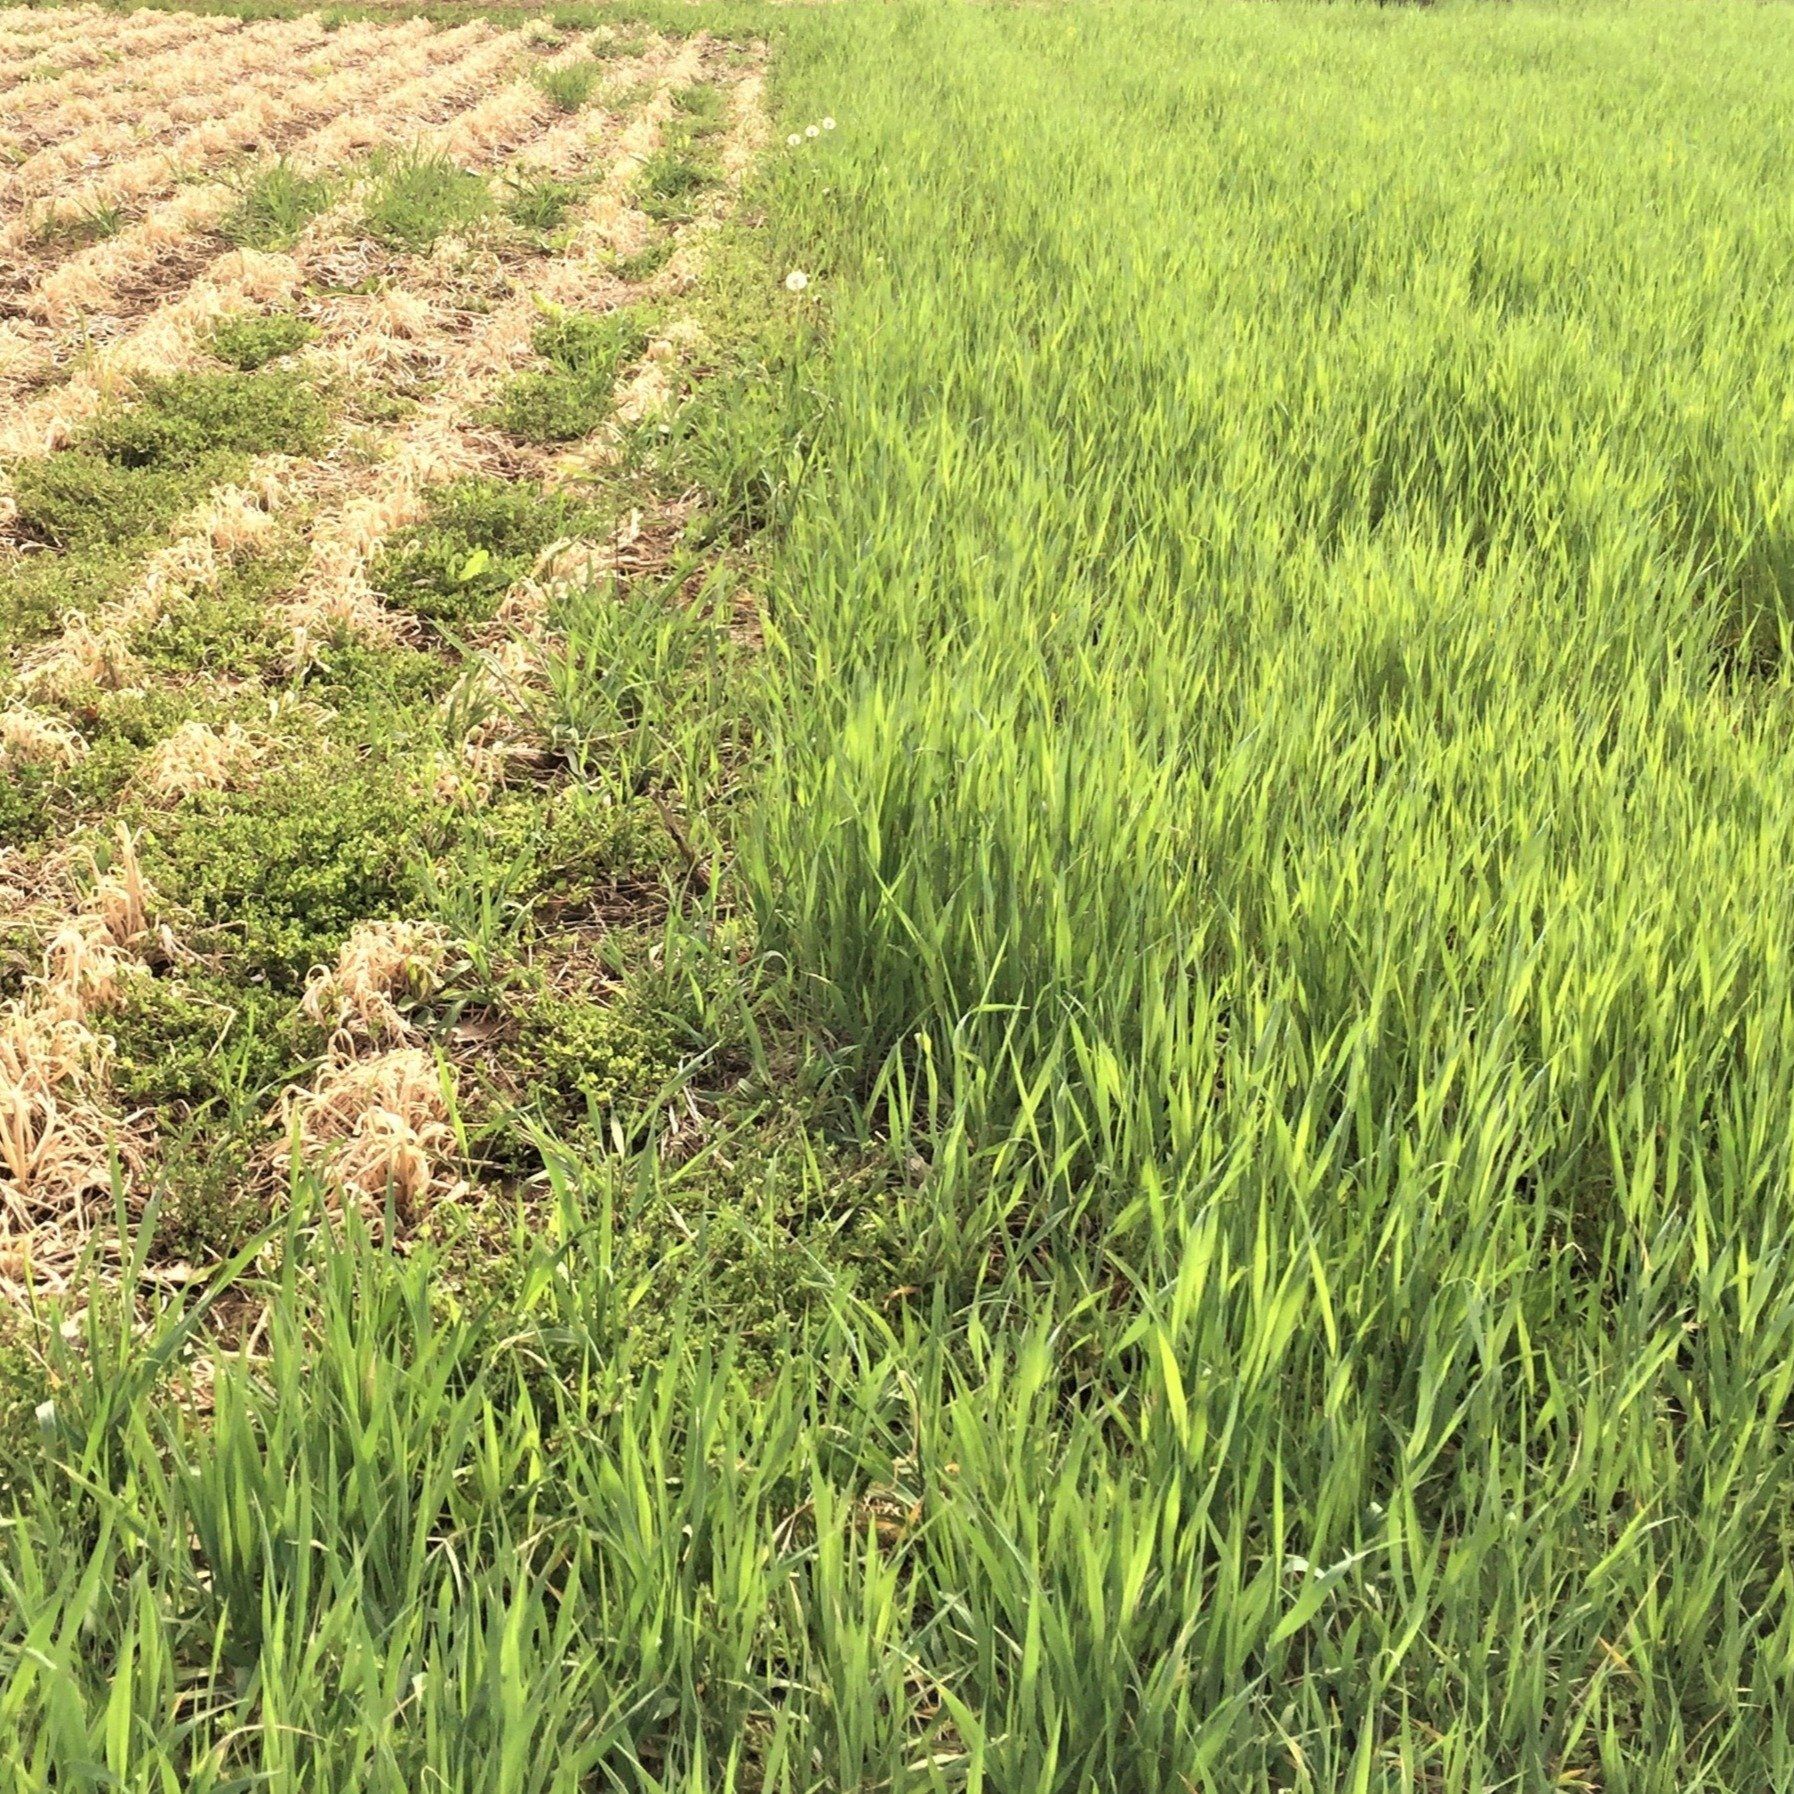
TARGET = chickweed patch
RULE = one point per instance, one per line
(376, 689)
(700, 111)
(175, 1038)
(179, 421)
(597, 1058)
(644, 263)
(480, 536)
(228, 630)
(94, 510)
(249, 340)
(86, 499)
(27, 812)
(275, 876)
(566, 847)
(638, 685)
(572, 396)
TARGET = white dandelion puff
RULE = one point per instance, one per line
(828, 124)
(812, 130)
(796, 281)
(795, 139)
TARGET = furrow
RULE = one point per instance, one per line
(440, 443)
(81, 289)
(258, 61)
(164, 340)
(88, 49)
(261, 114)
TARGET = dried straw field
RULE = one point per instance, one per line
(309, 400)
(896, 897)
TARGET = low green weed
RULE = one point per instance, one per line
(275, 876)
(195, 1041)
(104, 502)
(92, 222)
(636, 688)
(538, 205)
(231, 628)
(177, 421)
(559, 850)
(250, 340)
(27, 799)
(644, 263)
(597, 1057)
(378, 690)
(570, 85)
(573, 396)
(83, 499)
(670, 182)
(479, 537)
(700, 110)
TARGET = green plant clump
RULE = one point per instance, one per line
(80, 499)
(274, 205)
(670, 181)
(178, 1040)
(573, 395)
(105, 501)
(135, 467)
(538, 205)
(277, 875)
(249, 340)
(479, 537)
(570, 85)
(568, 847)
(600, 1057)
(89, 223)
(416, 197)
(178, 420)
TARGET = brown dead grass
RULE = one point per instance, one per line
(377, 1121)
(377, 1127)
(60, 1140)
(178, 114)
(197, 757)
(33, 738)
(84, 654)
(382, 966)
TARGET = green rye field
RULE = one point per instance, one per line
(1031, 1032)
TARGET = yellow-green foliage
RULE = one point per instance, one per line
(566, 846)
(277, 875)
(1264, 794)
(572, 396)
(1268, 705)
(479, 536)
(249, 340)
(605, 1056)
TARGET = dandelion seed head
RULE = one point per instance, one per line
(796, 281)
(828, 124)
(812, 130)
(795, 139)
